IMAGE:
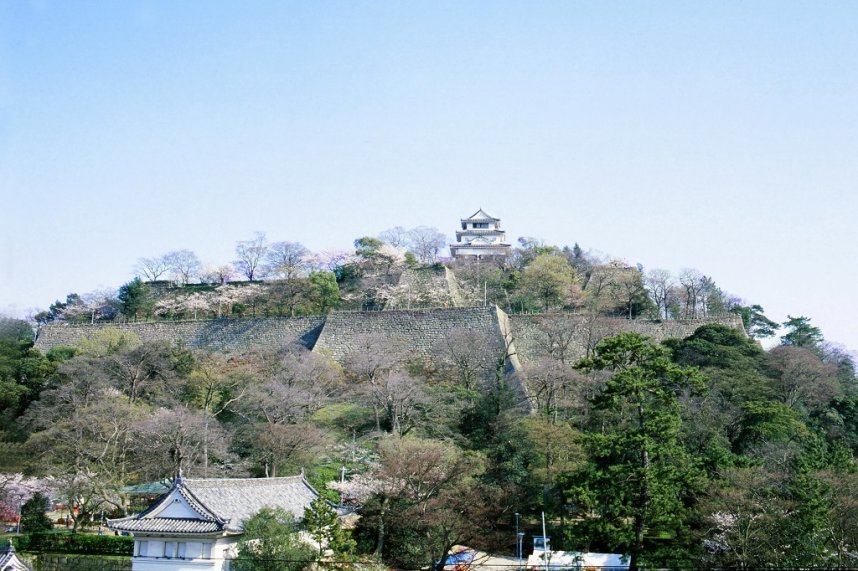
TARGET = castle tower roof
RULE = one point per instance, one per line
(480, 216)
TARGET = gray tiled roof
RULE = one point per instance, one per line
(166, 524)
(237, 499)
(480, 215)
(222, 505)
(9, 560)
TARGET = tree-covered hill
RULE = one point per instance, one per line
(395, 271)
(707, 451)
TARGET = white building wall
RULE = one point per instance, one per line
(166, 554)
(465, 251)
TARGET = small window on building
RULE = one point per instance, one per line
(194, 550)
(156, 548)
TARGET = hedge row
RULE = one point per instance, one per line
(78, 543)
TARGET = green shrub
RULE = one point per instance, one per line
(33, 516)
(78, 543)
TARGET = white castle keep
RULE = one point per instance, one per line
(480, 236)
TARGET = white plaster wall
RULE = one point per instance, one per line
(481, 251)
(177, 507)
(221, 551)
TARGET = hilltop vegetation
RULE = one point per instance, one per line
(703, 451)
(400, 269)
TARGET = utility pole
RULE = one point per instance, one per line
(516, 540)
(545, 551)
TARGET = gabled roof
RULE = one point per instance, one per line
(218, 506)
(9, 560)
(481, 215)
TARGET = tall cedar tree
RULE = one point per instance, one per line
(638, 476)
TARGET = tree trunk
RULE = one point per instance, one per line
(379, 546)
(442, 561)
(643, 497)
(377, 417)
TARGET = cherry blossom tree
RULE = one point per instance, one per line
(287, 260)
(152, 268)
(16, 489)
(184, 266)
(426, 243)
(96, 305)
(330, 260)
(250, 255)
(396, 237)
(219, 274)
(180, 439)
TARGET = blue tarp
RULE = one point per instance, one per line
(461, 558)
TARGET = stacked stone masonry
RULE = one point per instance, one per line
(528, 337)
(227, 335)
(538, 336)
(416, 332)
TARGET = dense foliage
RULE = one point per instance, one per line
(75, 543)
(271, 543)
(400, 268)
(703, 451)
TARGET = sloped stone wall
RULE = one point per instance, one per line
(414, 331)
(538, 335)
(228, 335)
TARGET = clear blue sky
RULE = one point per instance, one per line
(715, 135)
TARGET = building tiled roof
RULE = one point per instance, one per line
(238, 499)
(221, 505)
(480, 215)
(495, 245)
(166, 524)
(480, 232)
(9, 560)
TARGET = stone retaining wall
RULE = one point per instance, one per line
(538, 335)
(59, 562)
(414, 331)
(228, 335)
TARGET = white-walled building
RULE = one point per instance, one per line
(9, 560)
(480, 236)
(197, 524)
